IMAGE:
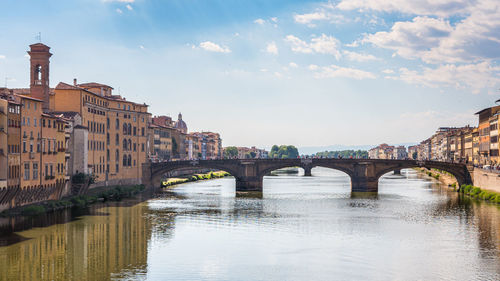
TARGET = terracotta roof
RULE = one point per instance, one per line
(93, 85)
(66, 114)
(21, 91)
(64, 86)
(28, 97)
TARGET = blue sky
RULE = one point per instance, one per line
(308, 73)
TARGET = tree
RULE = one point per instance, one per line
(284, 151)
(250, 155)
(230, 152)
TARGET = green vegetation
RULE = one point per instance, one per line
(230, 152)
(196, 177)
(343, 154)
(115, 193)
(476, 192)
(250, 155)
(33, 210)
(284, 152)
(81, 178)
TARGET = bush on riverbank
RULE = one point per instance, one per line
(115, 193)
(476, 192)
(196, 177)
(33, 210)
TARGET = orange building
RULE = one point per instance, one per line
(117, 138)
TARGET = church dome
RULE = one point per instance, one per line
(181, 125)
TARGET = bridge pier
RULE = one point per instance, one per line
(307, 171)
(364, 178)
(364, 185)
(246, 184)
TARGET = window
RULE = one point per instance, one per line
(107, 138)
(34, 120)
(129, 162)
(117, 125)
(124, 160)
(26, 171)
(107, 123)
(31, 146)
(142, 147)
(142, 131)
(117, 141)
(107, 156)
(35, 171)
(129, 129)
(124, 128)
(28, 121)
(134, 147)
(125, 144)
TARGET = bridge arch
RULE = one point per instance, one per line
(459, 171)
(158, 173)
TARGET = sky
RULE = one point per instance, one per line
(260, 72)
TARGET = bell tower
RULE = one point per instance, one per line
(39, 72)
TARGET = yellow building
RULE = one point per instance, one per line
(4, 104)
(117, 129)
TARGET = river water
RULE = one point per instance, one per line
(301, 228)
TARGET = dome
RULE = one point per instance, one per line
(181, 125)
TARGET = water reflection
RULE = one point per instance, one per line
(299, 228)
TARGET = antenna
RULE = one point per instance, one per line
(39, 37)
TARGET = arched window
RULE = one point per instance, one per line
(124, 128)
(124, 160)
(129, 161)
(117, 156)
(107, 138)
(129, 131)
(125, 145)
(117, 123)
(129, 147)
(117, 142)
(38, 72)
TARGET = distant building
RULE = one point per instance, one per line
(399, 153)
(383, 151)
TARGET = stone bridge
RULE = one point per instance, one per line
(249, 173)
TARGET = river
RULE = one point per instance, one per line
(301, 228)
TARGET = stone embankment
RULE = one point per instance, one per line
(489, 183)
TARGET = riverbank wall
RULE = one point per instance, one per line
(486, 180)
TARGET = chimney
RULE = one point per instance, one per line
(74, 81)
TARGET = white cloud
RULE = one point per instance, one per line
(387, 71)
(2, 57)
(274, 19)
(334, 71)
(277, 74)
(119, 11)
(441, 8)
(359, 57)
(474, 77)
(308, 18)
(321, 45)
(293, 65)
(212, 47)
(412, 39)
(141, 47)
(272, 48)
(313, 67)
(475, 38)
(259, 21)
(129, 7)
